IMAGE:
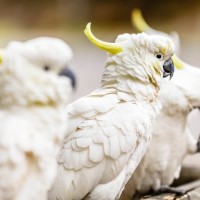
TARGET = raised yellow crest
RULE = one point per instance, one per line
(113, 48)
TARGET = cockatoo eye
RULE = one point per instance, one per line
(46, 68)
(159, 56)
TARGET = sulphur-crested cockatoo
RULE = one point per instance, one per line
(110, 129)
(32, 123)
(140, 24)
(172, 140)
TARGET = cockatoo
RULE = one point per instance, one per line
(140, 24)
(32, 120)
(172, 140)
(110, 129)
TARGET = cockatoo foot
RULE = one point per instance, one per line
(198, 145)
(161, 190)
(167, 189)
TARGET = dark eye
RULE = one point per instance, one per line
(159, 56)
(46, 68)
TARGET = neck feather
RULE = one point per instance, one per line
(130, 88)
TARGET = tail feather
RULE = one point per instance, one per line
(76, 184)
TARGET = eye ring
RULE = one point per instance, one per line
(159, 56)
(46, 68)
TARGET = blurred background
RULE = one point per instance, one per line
(66, 19)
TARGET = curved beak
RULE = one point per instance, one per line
(168, 68)
(69, 73)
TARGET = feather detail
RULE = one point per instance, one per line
(82, 105)
(114, 147)
(73, 160)
(96, 152)
(75, 147)
(70, 110)
(83, 142)
(89, 114)
(65, 156)
(79, 133)
(103, 105)
(110, 131)
(68, 145)
(99, 139)
(61, 152)
(74, 121)
(123, 143)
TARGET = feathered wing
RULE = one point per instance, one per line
(104, 132)
(22, 160)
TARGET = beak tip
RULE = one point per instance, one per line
(171, 75)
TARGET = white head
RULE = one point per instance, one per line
(140, 24)
(139, 55)
(29, 72)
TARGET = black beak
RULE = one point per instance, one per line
(168, 69)
(69, 73)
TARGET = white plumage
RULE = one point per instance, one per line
(32, 121)
(110, 129)
(172, 140)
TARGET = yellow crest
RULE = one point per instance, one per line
(138, 20)
(113, 48)
(178, 62)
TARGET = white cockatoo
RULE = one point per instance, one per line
(110, 129)
(172, 140)
(140, 24)
(32, 120)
